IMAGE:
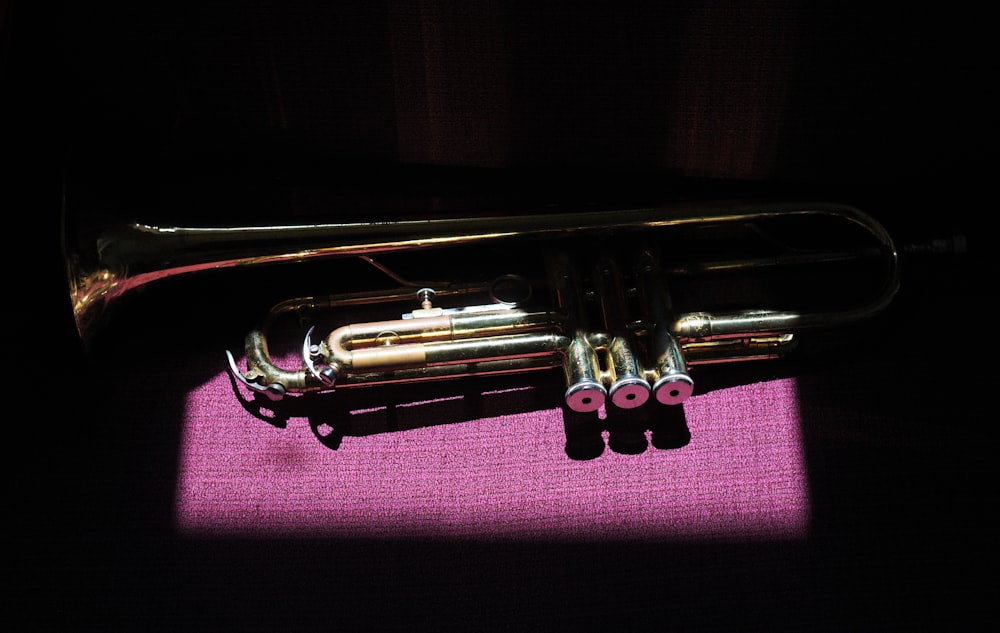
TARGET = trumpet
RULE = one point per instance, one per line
(625, 303)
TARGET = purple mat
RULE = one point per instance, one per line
(508, 477)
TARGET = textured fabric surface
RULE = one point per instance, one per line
(743, 477)
(827, 501)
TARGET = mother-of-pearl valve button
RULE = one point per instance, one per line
(630, 393)
(673, 389)
(586, 396)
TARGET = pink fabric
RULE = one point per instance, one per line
(742, 476)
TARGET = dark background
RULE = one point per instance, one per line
(223, 112)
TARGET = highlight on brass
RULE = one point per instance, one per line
(627, 304)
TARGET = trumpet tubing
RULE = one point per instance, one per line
(601, 310)
(609, 298)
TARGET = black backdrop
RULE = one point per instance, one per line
(223, 111)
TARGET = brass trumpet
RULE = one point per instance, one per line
(625, 303)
